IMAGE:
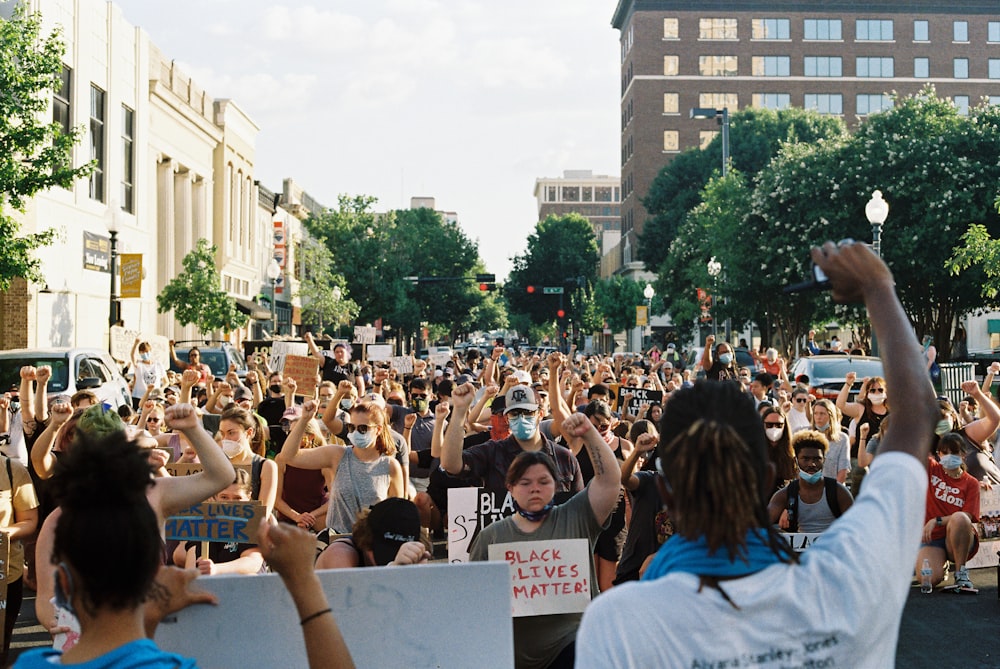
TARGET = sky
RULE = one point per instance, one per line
(466, 101)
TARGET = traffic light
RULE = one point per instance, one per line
(530, 289)
(561, 313)
(487, 286)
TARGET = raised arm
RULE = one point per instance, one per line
(851, 409)
(857, 274)
(42, 458)
(454, 435)
(982, 429)
(319, 457)
(706, 355)
(991, 372)
(602, 491)
(35, 404)
(330, 419)
(644, 444)
(560, 410)
(440, 419)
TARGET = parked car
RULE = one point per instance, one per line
(73, 369)
(827, 372)
(218, 355)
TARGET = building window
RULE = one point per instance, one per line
(588, 194)
(994, 99)
(671, 140)
(671, 103)
(961, 68)
(552, 197)
(128, 160)
(717, 29)
(670, 30)
(825, 103)
(719, 100)
(874, 67)
(97, 117)
(824, 30)
(718, 66)
(60, 100)
(705, 137)
(602, 194)
(961, 103)
(873, 104)
(873, 30)
(770, 28)
(993, 31)
(570, 193)
(960, 31)
(670, 65)
(772, 100)
(770, 66)
(921, 31)
(823, 66)
(994, 65)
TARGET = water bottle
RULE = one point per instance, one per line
(926, 585)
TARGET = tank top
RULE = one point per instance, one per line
(302, 489)
(356, 486)
(871, 418)
(815, 517)
(587, 466)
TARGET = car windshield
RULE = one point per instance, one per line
(838, 366)
(10, 371)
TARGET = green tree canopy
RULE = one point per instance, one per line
(196, 295)
(35, 155)
(616, 298)
(322, 291)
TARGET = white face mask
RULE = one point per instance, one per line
(231, 448)
(877, 398)
(773, 433)
(225, 400)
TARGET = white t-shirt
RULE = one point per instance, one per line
(147, 373)
(797, 420)
(842, 602)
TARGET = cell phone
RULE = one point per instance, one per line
(819, 282)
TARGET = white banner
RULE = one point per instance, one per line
(546, 576)
(469, 511)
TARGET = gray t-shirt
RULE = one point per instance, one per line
(539, 639)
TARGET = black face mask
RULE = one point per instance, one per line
(275, 388)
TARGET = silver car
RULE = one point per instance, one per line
(73, 369)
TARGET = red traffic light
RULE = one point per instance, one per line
(483, 287)
(561, 313)
(530, 289)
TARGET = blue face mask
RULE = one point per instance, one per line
(523, 427)
(951, 461)
(811, 478)
(725, 358)
(362, 440)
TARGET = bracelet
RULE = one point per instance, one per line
(312, 617)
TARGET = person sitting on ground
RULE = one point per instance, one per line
(813, 501)
(388, 533)
(728, 565)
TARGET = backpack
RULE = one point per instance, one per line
(792, 503)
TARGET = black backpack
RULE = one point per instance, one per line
(792, 503)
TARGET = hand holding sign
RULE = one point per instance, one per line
(288, 550)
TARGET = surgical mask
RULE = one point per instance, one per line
(725, 358)
(774, 433)
(943, 426)
(346, 404)
(362, 440)
(275, 388)
(420, 404)
(811, 478)
(877, 398)
(231, 448)
(951, 461)
(225, 400)
(523, 427)
(821, 426)
(144, 357)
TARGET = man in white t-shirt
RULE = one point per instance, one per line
(724, 590)
(146, 371)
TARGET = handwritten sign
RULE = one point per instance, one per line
(640, 396)
(799, 541)
(402, 364)
(122, 340)
(546, 576)
(379, 352)
(217, 521)
(469, 511)
(189, 468)
(281, 349)
(364, 334)
(303, 370)
(989, 530)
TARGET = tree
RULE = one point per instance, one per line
(196, 295)
(322, 291)
(616, 298)
(35, 155)
(561, 253)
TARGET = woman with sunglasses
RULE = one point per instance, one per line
(779, 447)
(871, 407)
(799, 413)
(826, 421)
(365, 472)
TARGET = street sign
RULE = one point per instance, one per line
(552, 290)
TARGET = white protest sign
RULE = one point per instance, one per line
(989, 530)
(546, 576)
(364, 334)
(122, 340)
(379, 352)
(280, 349)
(469, 511)
(439, 358)
(407, 602)
(799, 541)
(402, 364)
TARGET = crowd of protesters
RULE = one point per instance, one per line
(359, 466)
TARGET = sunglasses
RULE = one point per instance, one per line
(801, 400)
(875, 390)
(773, 424)
(363, 429)
(153, 419)
(520, 413)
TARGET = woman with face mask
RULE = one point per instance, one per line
(721, 366)
(826, 421)
(871, 406)
(978, 459)
(147, 371)
(237, 428)
(365, 472)
(779, 446)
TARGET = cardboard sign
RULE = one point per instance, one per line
(188, 468)
(469, 511)
(281, 349)
(379, 352)
(546, 576)
(402, 364)
(640, 396)
(217, 521)
(304, 370)
(989, 530)
(122, 340)
(407, 602)
(364, 334)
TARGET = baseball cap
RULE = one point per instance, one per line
(242, 393)
(522, 377)
(374, 398)
(671, 345)
(520, 397)
(292, 413)
(392, 522)
(156, 395)
(463, 379)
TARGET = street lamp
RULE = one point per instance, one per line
(715, 271)
(722, 116)
(648, 293)
(273, 272)
(877, 210)
(111, 220)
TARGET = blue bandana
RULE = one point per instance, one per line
(680, 554)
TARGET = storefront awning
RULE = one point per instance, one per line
(993, 326)
(252, 309)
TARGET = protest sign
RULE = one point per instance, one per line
(640, 396)
(303, 370)
(364, 334)
(188, 468)
(379, 352)
(469, 511)
(799, 541)
(281, 349)
(402, 364)
(547, 576)
(216, 521)
(474, 632)
(122, 340)
(989, 530)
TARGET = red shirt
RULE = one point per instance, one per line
(947, 495)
